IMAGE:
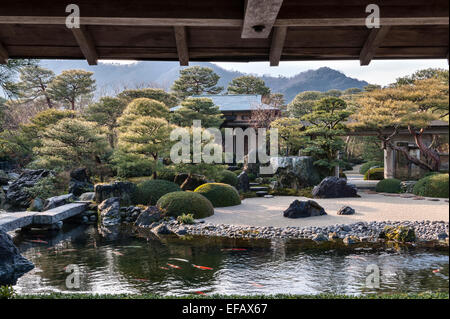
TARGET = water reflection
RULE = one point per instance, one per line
(140, 263)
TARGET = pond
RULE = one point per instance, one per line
(196, 265)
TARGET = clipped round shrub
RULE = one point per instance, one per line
(150, 191)
(389, 185)
(435, 185)
(376, 174)
(167, 174)
(178, 203)
(368, 165)
(227, 177)
(219, 194)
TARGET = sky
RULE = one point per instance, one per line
(381, 72)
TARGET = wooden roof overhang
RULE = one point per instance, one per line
(231, 30)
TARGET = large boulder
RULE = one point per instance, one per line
(80, 182)
(109, 211)
(4, 178)
(295, 172)
(194, 181)
(243, 182)
(149, 216)
(334, 187)
(302, 209)
(12, 264)
(17, 195)
(57, 201)
(123, 190)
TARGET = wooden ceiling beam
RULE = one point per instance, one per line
(276, 48)
(374, 40)
(165, 22)
(4, 56)
(182, 45)
(86, 43)
(259, 18)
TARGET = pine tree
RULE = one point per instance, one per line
(198, 109)
(248, 84)
(196, 80)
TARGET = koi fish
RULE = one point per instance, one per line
(164, 268)
(141, 279)
(174, 266)
(256, 285)
(39, 241)
(200, 293)
(436, 271)
(180, 259)
(234, 249)
(202, 267)
(117, 253)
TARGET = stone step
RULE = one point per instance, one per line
(259, 188)
(254, 184)
(261, 193)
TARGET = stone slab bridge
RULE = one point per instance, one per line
(12, 221)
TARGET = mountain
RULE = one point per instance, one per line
(112, 78)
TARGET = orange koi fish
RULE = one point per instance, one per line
(202, 267)
(174, 266)
(117, 253)
(200, 293)
(164, 268)
(256, 285)
(39, 241)
(436, 271)
(141, 279)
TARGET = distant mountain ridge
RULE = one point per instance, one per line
(113, 77)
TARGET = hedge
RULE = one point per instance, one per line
(374, 174)
(366, 166)
(435, 185)
(220, 195)
(389, 185)
(178, 203)
(227, 177)
(150, 191)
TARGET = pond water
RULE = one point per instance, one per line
(131, 264)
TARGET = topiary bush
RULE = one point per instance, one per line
(179, 203)
(376, 174)
(167, 174)
(227, 177)
(150, 191)
(366, 166)
(389, 185)
(435, 185)
(220, 195)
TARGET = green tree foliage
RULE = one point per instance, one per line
(8, 76)
(34, 82)
(143, 107)
(3, 111)
(196, 80)
(277, 100)
(303, 103)
(147, 136)
(160, 95)
(198, 109)
(326, 125)
(440, 74)
(290, 132)
(105, 113)
(71, 87)
(412, 106)
(71, 143)
(248, 84)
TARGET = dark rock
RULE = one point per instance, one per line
(123, 190)
(80, 182)
(301, 209)
(147, 217)
(162, 229)
(17, 195)
(12, 264)
(296, 172)
(37, 205)
(192, 183)
(320, 237)
(109, 211)
(334, 187)
(57, 201)
(442, 236)
(89, 196)
(243, 182)
(346, 210)
(4, 179)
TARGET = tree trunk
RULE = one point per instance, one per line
(154, 174)
(431, 155)
(187, 180)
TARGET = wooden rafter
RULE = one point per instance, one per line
(276, 48)
(4, 56)
(374, 40)
(182, 45)
(86, 43)
(259, 18)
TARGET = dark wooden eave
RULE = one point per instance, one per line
(214, 30)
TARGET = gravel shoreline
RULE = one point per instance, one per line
(359, 231)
